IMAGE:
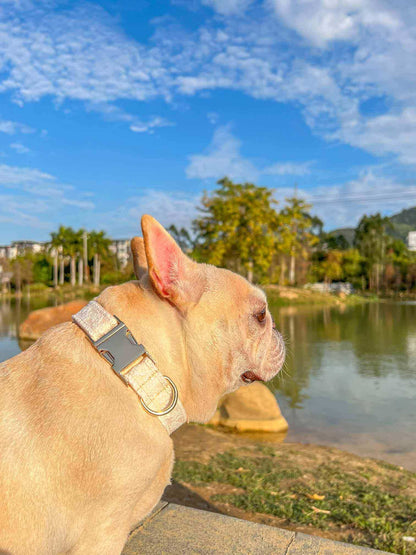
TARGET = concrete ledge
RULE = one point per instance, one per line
(174, 529)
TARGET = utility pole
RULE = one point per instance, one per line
(85, 253)
(55, 267)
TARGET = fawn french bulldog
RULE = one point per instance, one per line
(82, 459)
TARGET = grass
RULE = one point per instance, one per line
(367, 504)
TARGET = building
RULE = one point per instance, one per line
(121, 249)
(17, 248)
(118, 247)
(28, 246)
(411, 240)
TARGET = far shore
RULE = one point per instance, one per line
(278, 295)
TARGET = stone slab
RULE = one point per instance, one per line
(182, 530)
(314, 545)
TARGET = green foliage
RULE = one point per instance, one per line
(373, 242)
(183, 238)
(371, 238)
(38, 288)
(237, 227)
(113, 277)
(42, 269)
(241, 229)
(67, 240)
(298, 230)
(98, 243)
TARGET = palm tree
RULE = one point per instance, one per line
(58, 240)
(72, 247)
(65, 243)
(99, 247)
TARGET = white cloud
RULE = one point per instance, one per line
(112, 112)
(19, 148)
(288, 168)
(150, 124)
(321, 21)
(222, 158)
(79, 54)
(173, 207)
(328, 57)
(368, 49)
(389, 133)
(228, 7)
(13, 127)
(37, 199)
(167, 207)
(342, 205)
(213, 117)
(15, 176)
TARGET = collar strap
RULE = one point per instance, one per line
(132, 363)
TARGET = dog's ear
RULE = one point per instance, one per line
(139, 257)
(173, 275)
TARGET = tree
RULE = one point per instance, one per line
(372, 241)
(22, 267)
(56, 248)
(72, 248)
(298, 232)
(41, 268)
(66, 243)
(332, 266)
(353, 267)
(99, 245)
(182, 237)
(237, 227)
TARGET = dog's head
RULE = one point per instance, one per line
(229, 333)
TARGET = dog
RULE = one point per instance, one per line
(81, 459)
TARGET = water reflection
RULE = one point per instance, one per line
(12, 313)
(351, 378)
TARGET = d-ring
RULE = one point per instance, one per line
(170, 407)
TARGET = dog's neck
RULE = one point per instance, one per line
(160, 328)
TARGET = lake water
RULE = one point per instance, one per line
(350, 377)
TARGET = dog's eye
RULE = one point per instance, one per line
(261, 316)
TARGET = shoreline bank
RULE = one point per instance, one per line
(278, 295)
(306, 488)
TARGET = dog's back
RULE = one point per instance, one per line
(61, 446)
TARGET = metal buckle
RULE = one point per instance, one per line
(119, 348)
(170, 407)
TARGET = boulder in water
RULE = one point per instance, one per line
(41, 320)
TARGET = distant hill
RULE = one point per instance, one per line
(346, 232)
(403, 222)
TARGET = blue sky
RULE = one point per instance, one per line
(112, 109)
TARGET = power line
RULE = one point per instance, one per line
(366, 199)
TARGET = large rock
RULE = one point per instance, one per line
(41, 320)
(251, 408)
